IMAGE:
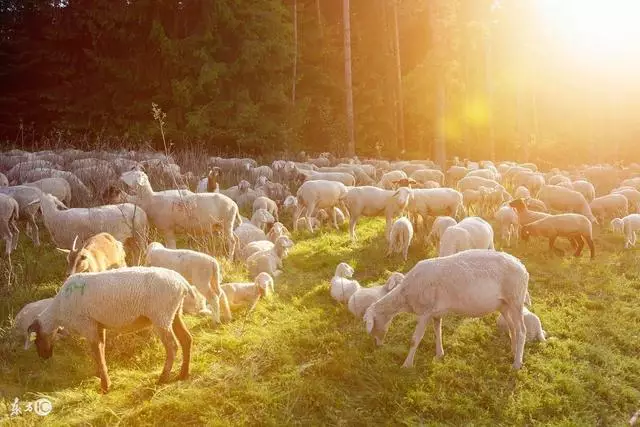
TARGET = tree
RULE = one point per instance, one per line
(346, 17)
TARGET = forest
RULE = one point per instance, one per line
(480, 79)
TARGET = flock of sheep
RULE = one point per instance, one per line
(99, 207)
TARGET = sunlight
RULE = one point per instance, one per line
(595, 29)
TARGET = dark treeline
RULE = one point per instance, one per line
(474, 78)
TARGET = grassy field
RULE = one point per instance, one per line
(302, 359)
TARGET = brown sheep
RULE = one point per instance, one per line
(99, 253)
(576, 227)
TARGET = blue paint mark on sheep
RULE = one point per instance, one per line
(72, 286)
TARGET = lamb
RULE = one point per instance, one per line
(400, 237)
(532, 325)
(259, 171)
(440, 224)
(58, 187)
(267, 204)
(99, 253)
(361, 299)
(90, 303)
(536, 205)
(611, 205)
(628, 226)
(342, 286)
(565, 200)
(243, 293)
(9, 214)
(248, 232)
(26, 317)
(473, 283)
(269, 261)
(123, 222)
(321, 195)
(574, 226)
(4, 182)
(456, 173)
(277, 230)
(200, 270)
(471, 233)
(173, 210)
(373, 201)
(507, 218)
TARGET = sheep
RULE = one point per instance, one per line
(632, 195)
(521, 193)
(26, 317)
(456, 173)
(248, 232)
(345, 178)
(557, 179)
(269, 261)
(251, 292)
(532, 325)
(209, 184)
(565, 200)
(321, 195)
(435, 201)
(277, 230)
(4, 182)
(58, 187)
(98, 253)
(201, 270)
(373, 201)
(493, 198)
(361, 299)
(90, 303)
(267, 204)
(259, 171)
(611, 205)
(440, 224)
(475, 182)
(80, 194)
(536, 205)
(531, 181)
(173, 210)
(387, 180)
(627, 226)
(9, 215)
(483, 173)
(400, 237)
(18, 171)
(473, 283)
(425, 175)
(576, 227)
(253, 247)
(471, 233)
(124, 221)
(342, 286)
(507, 218)
(585, 188)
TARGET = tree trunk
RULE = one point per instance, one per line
(399, 106)
(439, 141)
(295, 53)
(489, 88)
(346, 17)
(319, 14)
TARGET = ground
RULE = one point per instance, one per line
(300, 358)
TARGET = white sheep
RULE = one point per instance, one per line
(532, 325)
(174, 210)
(249, 292)
(507, 218)
(90, 303)
(435, 201)
(277, 229)
(267, 204)
(269, 261)
(627, 226)
(585, 188)
(521, 193)
(26, 317)
(58, 187)
(471, 233)
(400, 237)
(9, 214)
(99, 253)
(473, 283)
(565, 200)
(611, 206)
(248, 232)
(361, 299)
(440, 224)
(632, 195)
(344, 178)
(4, 182)
(342, 286)
(201, 270)
(28, 202)
(576, 227)
(314, 195)
(373, 201)
(387, 180)
(425, 175)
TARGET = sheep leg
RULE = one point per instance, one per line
(405, 251)
(185, 340)
(552, 248)
(333, 217)
(15, 233)
(214, 302)
(517, 319)
(225, 310)
(437, 329)
(296, 216)
(580, 246)
(97, 349)
(170, 238)
(592, 249)
(418, 334)
(310, 211)
(169, 341)
(34, 231)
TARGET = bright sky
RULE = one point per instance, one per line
(596, 31)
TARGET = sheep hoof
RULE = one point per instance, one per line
(105, 386)
(516, 365)
(407, 364)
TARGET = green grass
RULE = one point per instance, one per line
(299, 358)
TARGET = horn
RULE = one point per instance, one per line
(73, 248)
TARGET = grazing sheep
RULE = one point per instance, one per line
(585, 188)
(471, 233)
(200, 270)
(342, 286)
(98, 253)
(254, 247)
(269, 261)
(314, 195)
(521, 193)
(576, 227)
(251, 292)
(627, 226)
(58, 187)
(475, 182)
(472, 283)
(532, 325)
(248, 232)
(440, 224)
(373, 201)
(565, 200)
(9, 215)
(507, 218)
(632, 195)
(277, 230)
(387, 180)
(28, 201)
(4, 182)
(611, 206)
(90, 303)
(26, 317)
(361, 299)
(426, 175)
(174, 210)
(455, 174)
(267, 204)
(536, 205)
(344, 178)
(80, 193)
(435, 201)
(400, 237)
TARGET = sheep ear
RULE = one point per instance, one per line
(34, 327)
(369, 321)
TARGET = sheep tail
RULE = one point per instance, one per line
(237, 216)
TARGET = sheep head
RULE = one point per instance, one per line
(394, 280)
(243, 186)
(264, 282)
(44, 341)
(344, 270)
(376, 324)
(135, 179)
(518, 204)
(617, 225)
(403, 196)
